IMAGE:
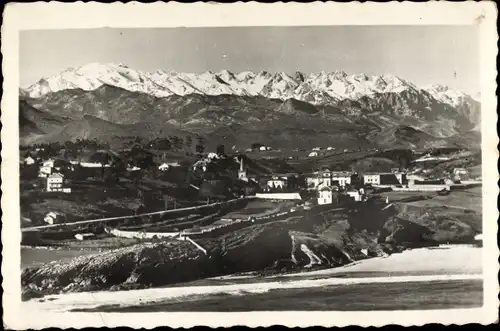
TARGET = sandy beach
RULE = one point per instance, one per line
(439, 260)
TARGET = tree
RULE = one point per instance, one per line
(220, 150)
(200, 145)
(177, 143)
(189, 142)
(161, 144)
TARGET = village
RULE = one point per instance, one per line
(225, 177)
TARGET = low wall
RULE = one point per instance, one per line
(279, 196)
(421, 188)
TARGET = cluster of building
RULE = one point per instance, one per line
(332, 185)
(326, 177)
(50, 171)
(55, 182)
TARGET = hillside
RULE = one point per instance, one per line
(34, 123)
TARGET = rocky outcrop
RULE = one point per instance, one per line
(143, 265)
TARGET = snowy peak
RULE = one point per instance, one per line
(93, 75)
(316, 88)
(444, 94)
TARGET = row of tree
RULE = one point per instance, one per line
(175, 143)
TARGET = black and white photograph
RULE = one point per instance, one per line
(235, 169)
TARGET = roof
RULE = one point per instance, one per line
(56, 174)
(345, 174)
(275, 178)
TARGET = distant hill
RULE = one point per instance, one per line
(470, 139)
(34, 123)
(402, 136)
(90, 128)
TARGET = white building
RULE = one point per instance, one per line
(44, 171)
(460, 173)
(356, 195)
(392, 178)
(48, 163)
(313, 154)
(55, 182)
(330, 148)
(277, 182)
(50, 218)
(343, 178)
(326, 195)
(242, 172)
(329, 178)
(133, 168)
(373, 179)
(163, 167)
(29, 160)
(94, 165)
(213, 155)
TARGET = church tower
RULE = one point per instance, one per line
(242, 173)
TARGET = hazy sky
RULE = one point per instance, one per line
(422, 54)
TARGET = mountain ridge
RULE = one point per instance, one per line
(316, 88)
(280, 106)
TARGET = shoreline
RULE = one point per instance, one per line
(131, 298)
(428, 267)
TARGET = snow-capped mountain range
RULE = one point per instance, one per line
(317, 88)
